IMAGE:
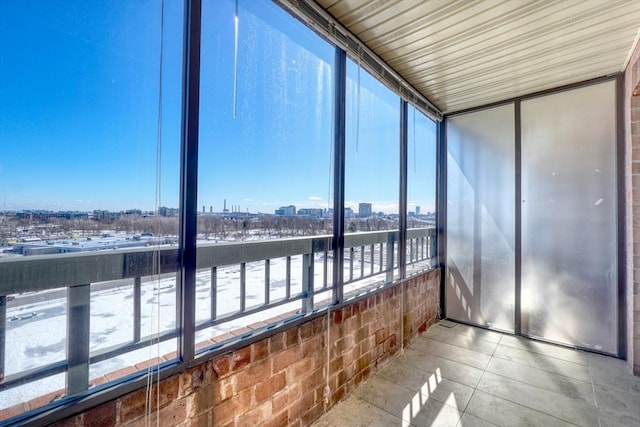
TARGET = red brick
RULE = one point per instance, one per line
(312, 415)
(260, 350)
(45, 399)
(313, 345)
(240, 331)
(97, 381)
(229, 409)
(254, 373)
(223, 389)
(276, 343)
(267, 389)
(200, 401)
(306, 330)
(301, 406)
(143, 366)
(224, 337)
(286, 358)
(313, 379)
(101, 416)
(132, 405)
(222, 365)
(299, 370)
(170, 415)
(291, 337)
(337, 317)
(256, 416)
(277, 420)
(338, 395)
(336, 365)
(241, 358)
(120, 373)
(192, 379)
(13, 411)
(363, 362)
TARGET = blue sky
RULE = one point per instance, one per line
(79, 111)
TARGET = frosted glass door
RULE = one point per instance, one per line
(569, 285)
(480, 283)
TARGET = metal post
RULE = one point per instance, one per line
(339, 141)
(186, 294)
(372, 257)
(307, 282)
(325, 266)
(390, 257)
(517, 315)
(288, 278)
(3, 334)
(267, 281)
(78, 324)
(350, 264)
(137, 308)
(243, 286)
(402, 235)
(441, 209)
(214, 293)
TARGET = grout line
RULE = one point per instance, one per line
(593, 388)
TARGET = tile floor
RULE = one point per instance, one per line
(457, 375)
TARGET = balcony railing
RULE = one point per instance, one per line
(369, 258)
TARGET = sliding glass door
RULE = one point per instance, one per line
(562, 230)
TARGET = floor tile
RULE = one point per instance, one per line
(452, 352)
(458, 372)
(356, 412)
(504, 413)
(613, 399)
(452, 376)
(431, 385)
(461, 340)
(545, 363)
(483, 334)
(546, 349)
(414, 407)
(469, 420)
(542, 379)
(611, 372)
(572, 410)
(617, 419)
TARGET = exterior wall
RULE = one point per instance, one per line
(632, 165)
(281, 380)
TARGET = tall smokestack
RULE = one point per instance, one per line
(225, 205)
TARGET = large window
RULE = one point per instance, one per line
(421, 191)
(97, 280)
(371, 178)
(265, 160)
(89, 147)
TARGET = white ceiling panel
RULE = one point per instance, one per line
(466, 53)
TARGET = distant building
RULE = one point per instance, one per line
(417, 210)
(312, 212)
(106, 216)
(165, 211)
(348, 213)
(286, 210)
(364, 210)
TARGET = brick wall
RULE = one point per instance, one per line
(632, 137)
(282, 379)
